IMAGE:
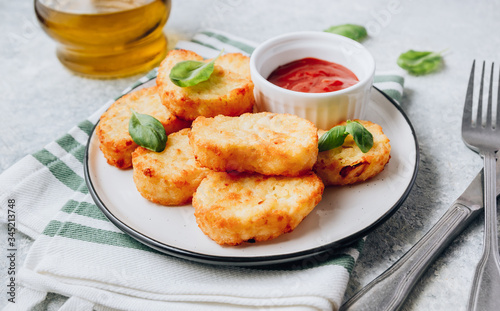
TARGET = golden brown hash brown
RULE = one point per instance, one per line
(347, 164)
(171, 176)
(234, 208)
(228, 91)
(265, 143)
(112, 130)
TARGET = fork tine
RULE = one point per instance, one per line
(479, 116)
(489, 111)
(467, 115)
(498, 105)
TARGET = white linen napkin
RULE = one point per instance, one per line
(80, 254)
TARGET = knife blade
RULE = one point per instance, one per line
(389, 290)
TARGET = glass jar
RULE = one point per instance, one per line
(106, 38)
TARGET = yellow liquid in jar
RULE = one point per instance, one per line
(106, 38)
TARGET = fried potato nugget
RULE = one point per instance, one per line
(228, 91)
(266, 143)
(171, 176)
(234, 208)
(112, 130)
(347, 164)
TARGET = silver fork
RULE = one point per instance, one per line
(484, 138)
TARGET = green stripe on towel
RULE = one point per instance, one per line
(389, 78)
(204, 44)
(395, 94)
(86, 126)
(240, 45)
(84, 209)
(68, 143)
(346, 261)
(61, 171)
(79, 232)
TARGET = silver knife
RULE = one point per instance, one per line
(389, 290)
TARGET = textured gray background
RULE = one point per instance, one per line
(40, 100)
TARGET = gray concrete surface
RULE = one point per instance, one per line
(40, 100)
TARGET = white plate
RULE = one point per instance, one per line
(344, 215)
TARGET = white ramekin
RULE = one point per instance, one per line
(324, 109)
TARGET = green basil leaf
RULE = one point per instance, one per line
(420, 62)
(191, 72)
(362, 137)
(147, 132)
(355, 32)
(333, 138)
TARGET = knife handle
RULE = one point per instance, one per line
(389, 290)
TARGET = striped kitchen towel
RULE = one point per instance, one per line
(77, 252)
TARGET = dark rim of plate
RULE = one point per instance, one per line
(320, 253)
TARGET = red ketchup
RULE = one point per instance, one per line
(312, 75)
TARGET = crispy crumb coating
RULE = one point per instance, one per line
(234, 208)
(228, 91)
(265, 143)
(169, 177)
(112, 130)
(347, 164)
